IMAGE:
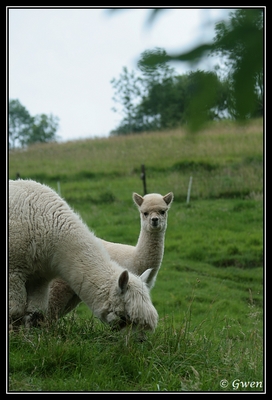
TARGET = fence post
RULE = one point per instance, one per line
(189, 190)
(143, 179)
(59, 192)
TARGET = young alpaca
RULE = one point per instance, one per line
(48, 240)
(148, 252)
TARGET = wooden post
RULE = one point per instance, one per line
(143, 179)
(59, 192)
(189, 190)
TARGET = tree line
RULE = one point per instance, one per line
(25, 129)
(154, 97)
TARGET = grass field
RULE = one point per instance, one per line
(209, 291)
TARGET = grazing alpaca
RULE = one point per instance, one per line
(47, 240)
(148, 253)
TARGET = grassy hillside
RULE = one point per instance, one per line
(209, 291)
(225, 161)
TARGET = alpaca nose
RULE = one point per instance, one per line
(155, 219)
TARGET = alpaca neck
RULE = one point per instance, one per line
(149, 250)
(87, 269)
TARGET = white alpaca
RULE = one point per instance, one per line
(148, 252)
(48, 240)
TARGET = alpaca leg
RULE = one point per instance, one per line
(17, 299)
(37, 301)
(62, 299)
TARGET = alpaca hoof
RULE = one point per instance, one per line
(34, 319)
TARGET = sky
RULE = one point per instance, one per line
(61, 60)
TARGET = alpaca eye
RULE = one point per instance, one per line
(146, 214)
(162, 212)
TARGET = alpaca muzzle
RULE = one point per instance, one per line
(155, 223)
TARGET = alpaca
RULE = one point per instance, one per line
(48, 240)
(148, 252)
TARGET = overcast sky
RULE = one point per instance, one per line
(61, 60)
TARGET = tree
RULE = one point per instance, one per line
(159, 107)
(168, 100)
(25, 129)
(241, 41)
(138, 95)
(176, 99)
(158, 73)
(20, 122)
(127, 92)
(205, 98)
(44, 129)
(165, 100)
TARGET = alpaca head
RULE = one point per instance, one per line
(153, 209)
(129, 303)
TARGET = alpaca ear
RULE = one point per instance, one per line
(123, 281)
(138, 200)
(168, 198)
(149, 277)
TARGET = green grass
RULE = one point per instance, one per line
(209, 291)
(225, 161)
